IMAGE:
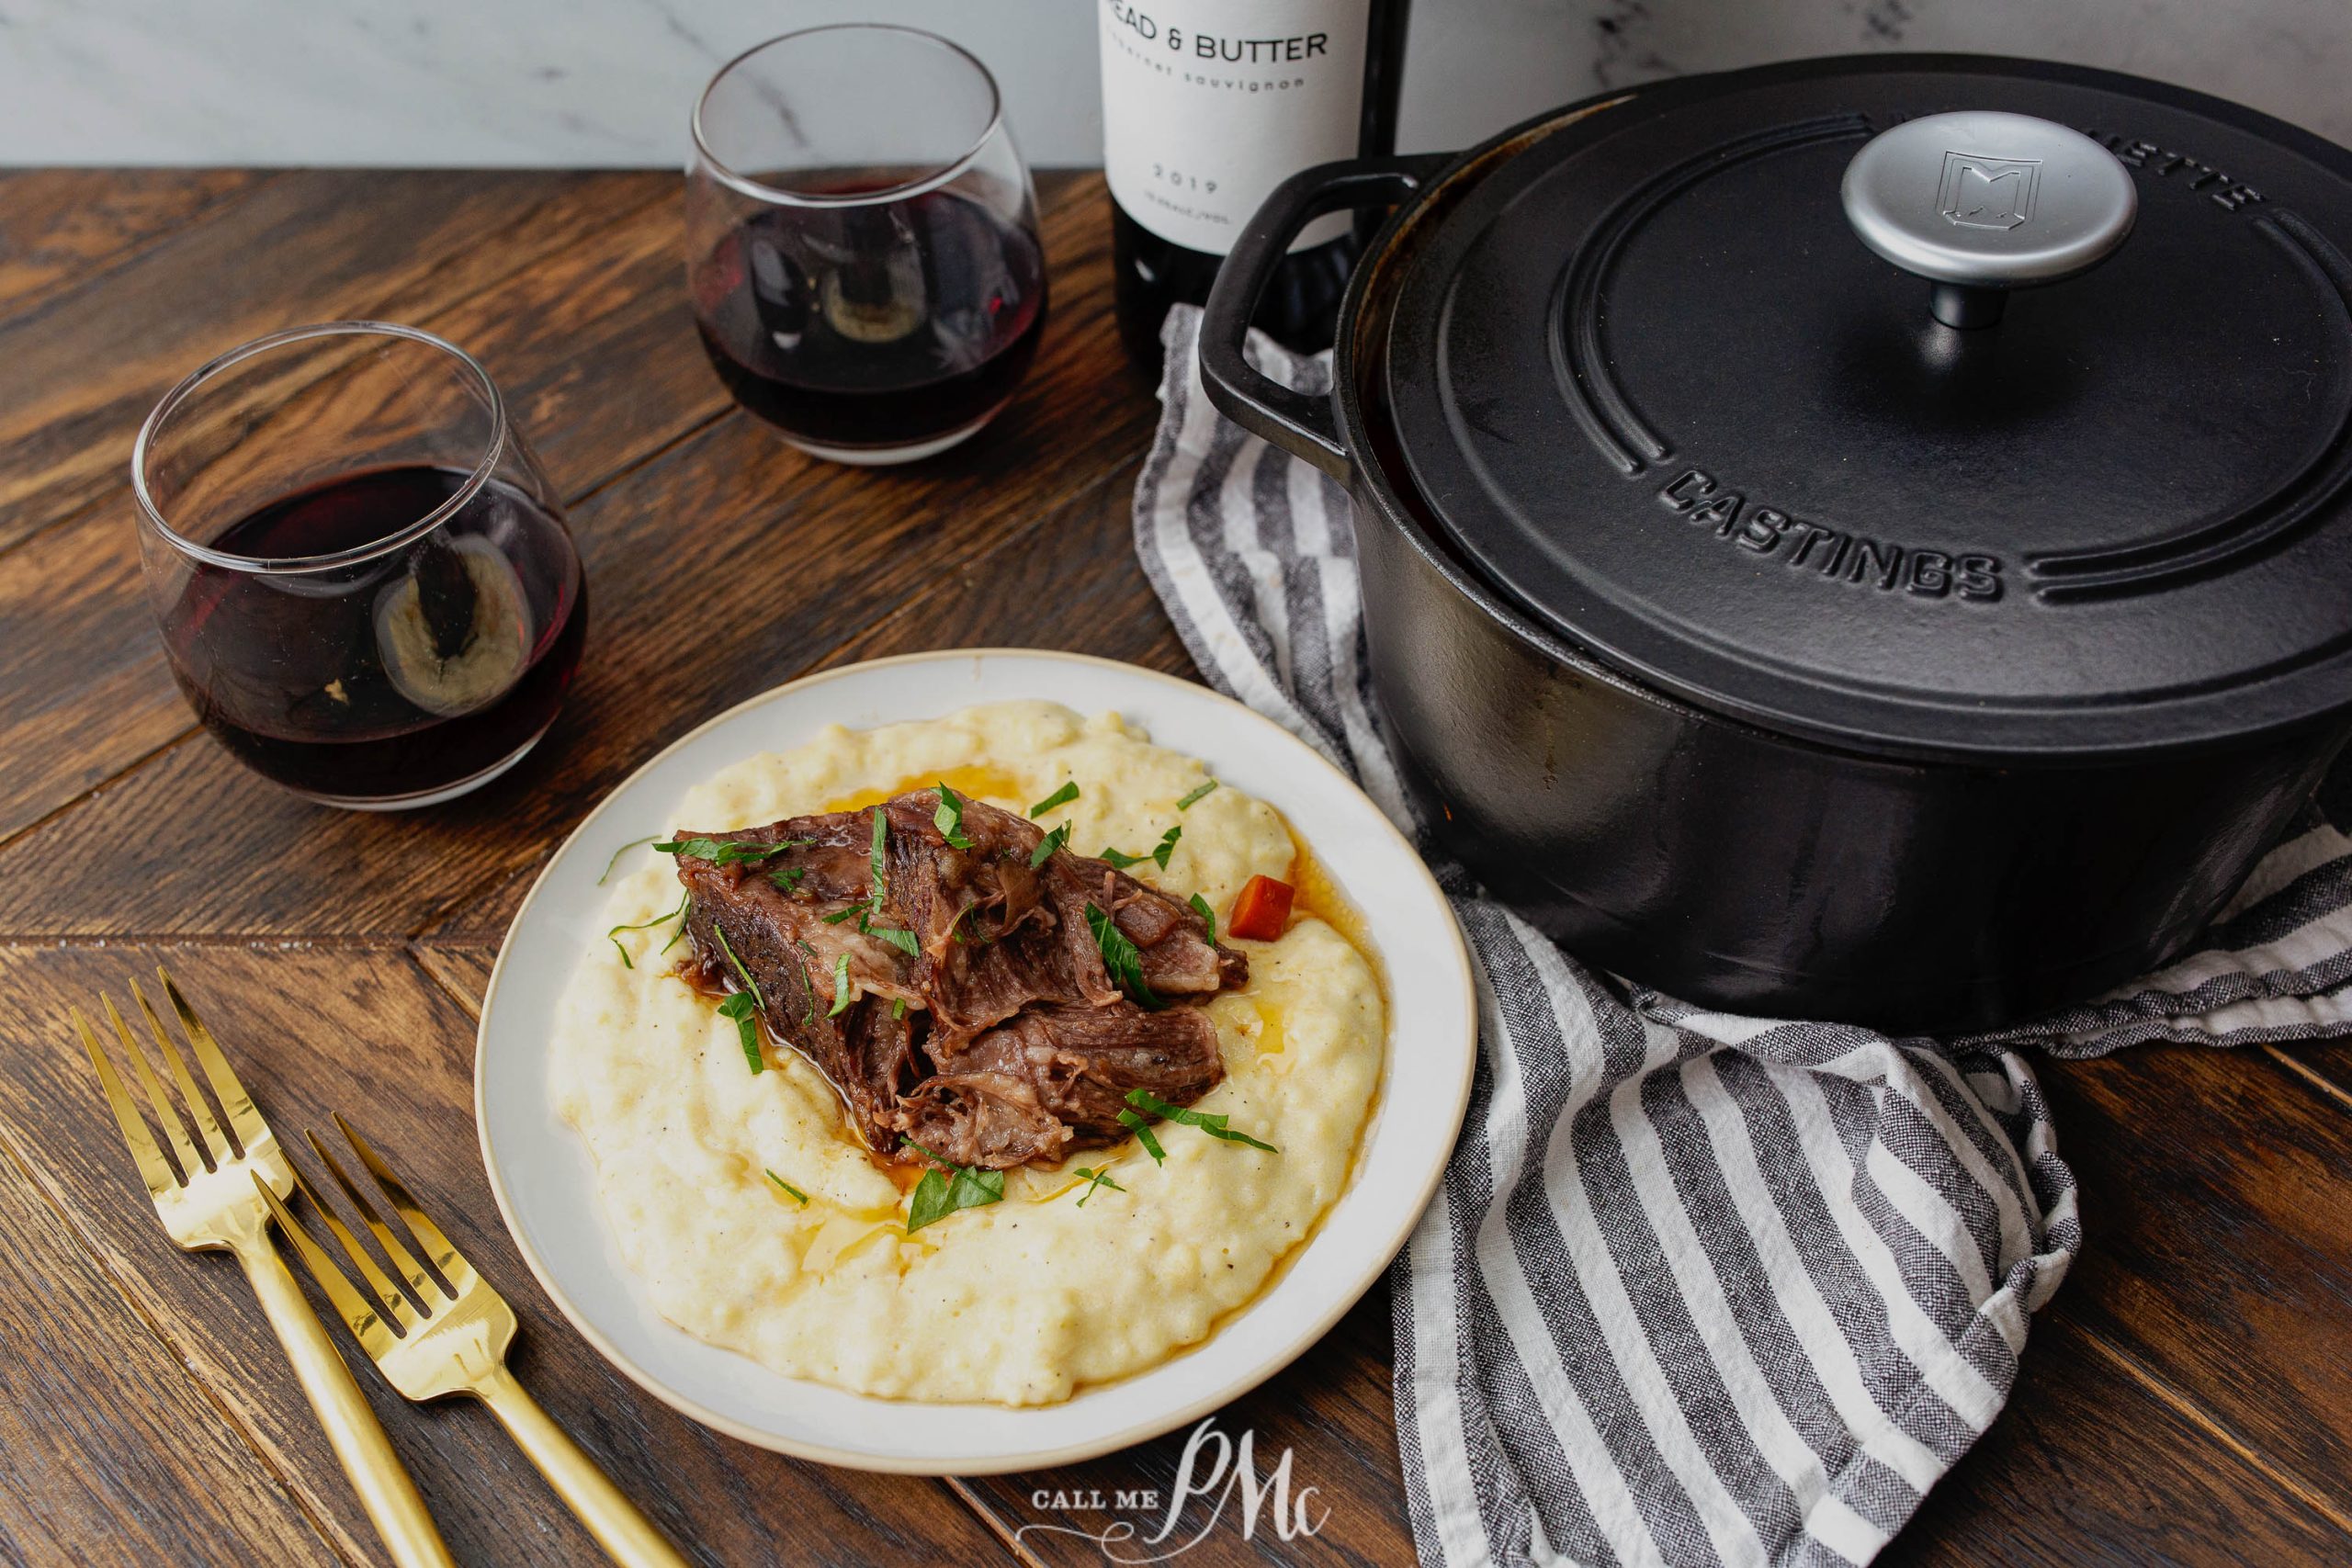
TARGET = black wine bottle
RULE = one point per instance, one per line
(1208, 105)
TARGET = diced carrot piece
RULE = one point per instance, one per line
(1262, 909)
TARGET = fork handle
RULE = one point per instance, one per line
(625, 1533)
(376, 1472)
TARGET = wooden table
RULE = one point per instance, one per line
(2189, 1395)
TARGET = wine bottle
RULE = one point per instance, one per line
(1208, 105)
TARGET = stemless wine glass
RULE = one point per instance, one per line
(364, 581)
(862, 242)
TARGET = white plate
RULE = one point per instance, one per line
(546, 1182)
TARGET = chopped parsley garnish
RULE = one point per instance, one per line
(1062, 796)
(866, 909)
(938, 1195)
(1201, 907)
(1196, 797)
(737, 965)
(1120, 957)
(1142, 1130)
(722, 852)
(739, 1006)
(903, 940)
(743, 1006)
(728, 851)
(840, 986)
(700, 849)
(1159, 852)
(798, 1196)
(1213, 1122)
(807, 985)
(624, 849)
(870, 905)
(789, 877)
(949, 818)
(1047, 845)
(1095, 1179)
(614, 936)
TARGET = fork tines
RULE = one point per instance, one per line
(216, 1192)
(428, 1292)
(251, 1133)
(434, 1329)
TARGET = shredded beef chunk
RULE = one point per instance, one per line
(1082, 1061)
(980, 1021)
(789, 953)
(991, 1120)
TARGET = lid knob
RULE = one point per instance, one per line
(1980, 202)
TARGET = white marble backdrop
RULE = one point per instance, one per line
(608, 81)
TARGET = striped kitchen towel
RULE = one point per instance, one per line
(1696, 1289)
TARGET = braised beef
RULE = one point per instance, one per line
(1083, 1061)
(789, 954)
(991, 1120)
(981, 1021)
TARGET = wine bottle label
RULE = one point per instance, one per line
(1208, 105)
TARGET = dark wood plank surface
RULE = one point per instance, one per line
(117, 1455)
(2186, 1398)
(2088, 1466)
(59, 228)
(367, 1031)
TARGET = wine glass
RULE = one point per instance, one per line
(862, 242)
(365, 584)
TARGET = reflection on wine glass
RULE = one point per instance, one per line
(364, 581)
(862, 242)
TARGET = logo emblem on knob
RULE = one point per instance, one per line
(1977, 192)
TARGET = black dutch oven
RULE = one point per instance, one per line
(1864, 539)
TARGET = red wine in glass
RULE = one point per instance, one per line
(873, 329)
(396, 677)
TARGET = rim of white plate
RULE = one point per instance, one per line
(1153, 1424)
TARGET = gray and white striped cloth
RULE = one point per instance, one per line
(1696, 1289)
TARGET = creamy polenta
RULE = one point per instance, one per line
(702, 1163)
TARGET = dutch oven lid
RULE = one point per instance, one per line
(1676, 377)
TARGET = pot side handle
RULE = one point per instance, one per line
(1299, 422)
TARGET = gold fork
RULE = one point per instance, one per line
(452, 1340)
(221, 1201)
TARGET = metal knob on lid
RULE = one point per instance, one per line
(1980, 202)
